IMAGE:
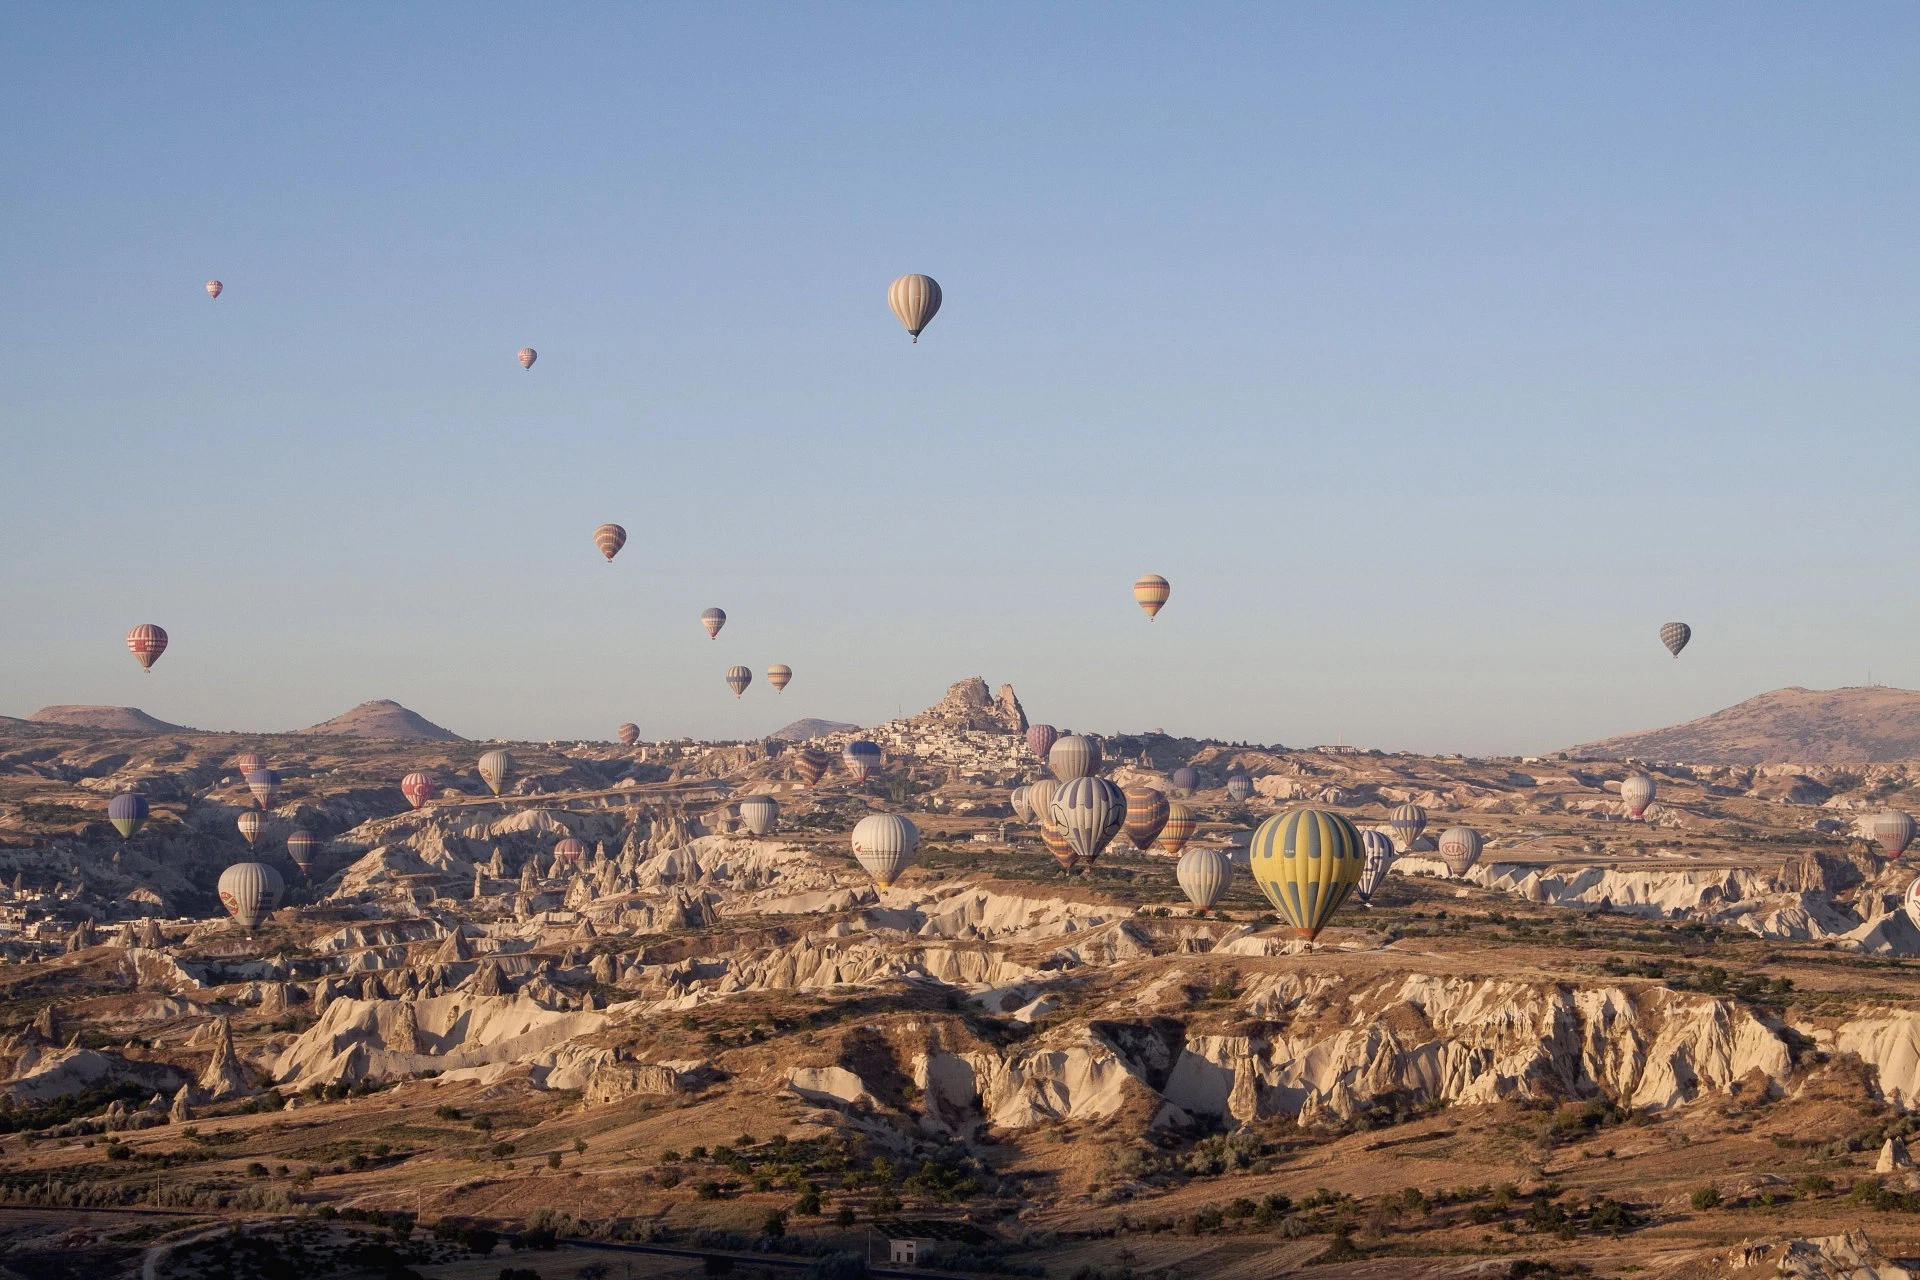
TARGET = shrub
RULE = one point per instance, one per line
(808, 1203)
(446, 1113)
(670, 1179)
(553, 1160)
(843, 1217)
(482, 1123)
(1707, 1197)
(775, 1223)
(1816, 1184)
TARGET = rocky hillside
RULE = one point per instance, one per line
(384, 718)
(116, 719)
(802, 730)
(1809, 726)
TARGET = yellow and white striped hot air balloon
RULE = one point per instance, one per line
(1150, 591)
(1306, 861)
(779, 675)
(915, 299)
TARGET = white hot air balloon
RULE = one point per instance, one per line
(1379, 847)
(1894, 830)
(914, 299)
(760, 813)
(885, 843)
(1091, 812)
(250, 891)
(1040, 800)
(1022, 811)
(1205, 875)
(1636, 793)
(1459, 849)
(495, 768)
(1074, 757)
(251, 824)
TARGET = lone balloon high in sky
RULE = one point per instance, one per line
(214, 288)
(1150, 592)
(713, 620)
(1675, 635)
(609, 538)
(915, 299)
(527, 356)
(146, 642)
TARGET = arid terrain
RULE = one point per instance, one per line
(1680, 1046)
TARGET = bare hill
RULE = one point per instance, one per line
(801, 730)
(1870, 725)
(118, 719)
(383, 718)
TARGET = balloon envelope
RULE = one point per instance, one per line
(1460, 849)
(713, 620)
(1040, 740)
(1306, 861)
(1912, 902)
(247, 761)
(1239, 787)
(1185, 778)
(1637, 793)
(884, 843)
(1181, 823)
(1022, 811)
(812, 766)
(214, 288)
(1379, 846)
(1205, 875)
(779, 675)
(738, 678)
(418, 788)
(609, 538)
(495, 768)
(300, 847)
(1074, 757)
(1150, 592)
(862, 759)
(1894, 830)
(629, 734)
(1408, 821)
(1675, 635)
(265, 785)
(760, 813)
(146, 642)
(915, 299)
(1058, 845)
(250, 891)
(1040, 800)
(127, 812)
(1091, 812)
(1147, 811)
(251, 824)
(527, 356)
(570, 851)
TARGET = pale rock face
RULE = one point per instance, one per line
(390, 1039)
(829, 1086)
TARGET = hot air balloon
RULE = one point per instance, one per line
(1185, 780)
(1040, 740)
(1074, 757)
(1182, 822)
(1637, 793)
(248, 761)
(300, 847)
(1459, 849)
(915, 299)
(884, 844)
(1675, 635)
(609, 538)
(1893, 829)
(1912, 902)
(1150, 592)
(147, 642)
(495, 768)
(1205, 875)
(812, 766)
(779, 675)
(1408, 821)
(629, 734)
(128, 813)
(251, 824)
(527, 356)
(1379, 847)
(862, 759)
(1059, 846)
(418, 788)
(1306, 861)
(713, 620)
(250, 891)
(1040, 800)
(760, 813)
(265, 785)
(1239, 787)
(738, 678)
(214, 288)
(1091, 812)
(1022, 811)
(570, 851)
(1147, 811)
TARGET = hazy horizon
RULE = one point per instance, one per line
(1436, 357)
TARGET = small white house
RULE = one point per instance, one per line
(907, 1251)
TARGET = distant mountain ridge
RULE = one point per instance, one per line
(1862, 725)
(118, 719)
(383, 718)
(801, 730)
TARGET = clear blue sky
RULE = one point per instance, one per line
(1436, 353)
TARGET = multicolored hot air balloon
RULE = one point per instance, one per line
(609, 538)
(1074, 757)
(915, 299)
(1091, 812)
(1059, 846)
(1460, 849)
(1893, 829)
(1147, 811)
(265, 785)
(1185, 780)
(418, 788)
(247, 762)
(570, 851)
(812, 766)
(527, 356)
(1150, 592)
(1407, 821)
(147, 642)
(1182, 822)
(1379, 846)
(251, 824)
(128, 813)
(1306, 861)
(760, 813)
(1040, 740)
(250, 891)
(884, 843)
(1239, 787)
(1205, 875)
(1675, 635)
(779, 675)
(300, 847)
(862, 759)
(214, 288)
(495, 768)
(738, 678)
(713, 620)
(629, 734)
(1022, 811)
(1040, 800)
(1636, 793)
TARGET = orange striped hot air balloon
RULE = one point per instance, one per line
(609, 538)
(1181, 823)
(629, 734)
(1147, 811)
(1059, 846)
(1150, 592)
(779, 675)
(147, 642)
(812, 766)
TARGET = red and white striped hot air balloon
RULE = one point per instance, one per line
(213, 288)
(570, 851)
(527, 356)
(609, 538)
(147, 642)
(418, 788)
